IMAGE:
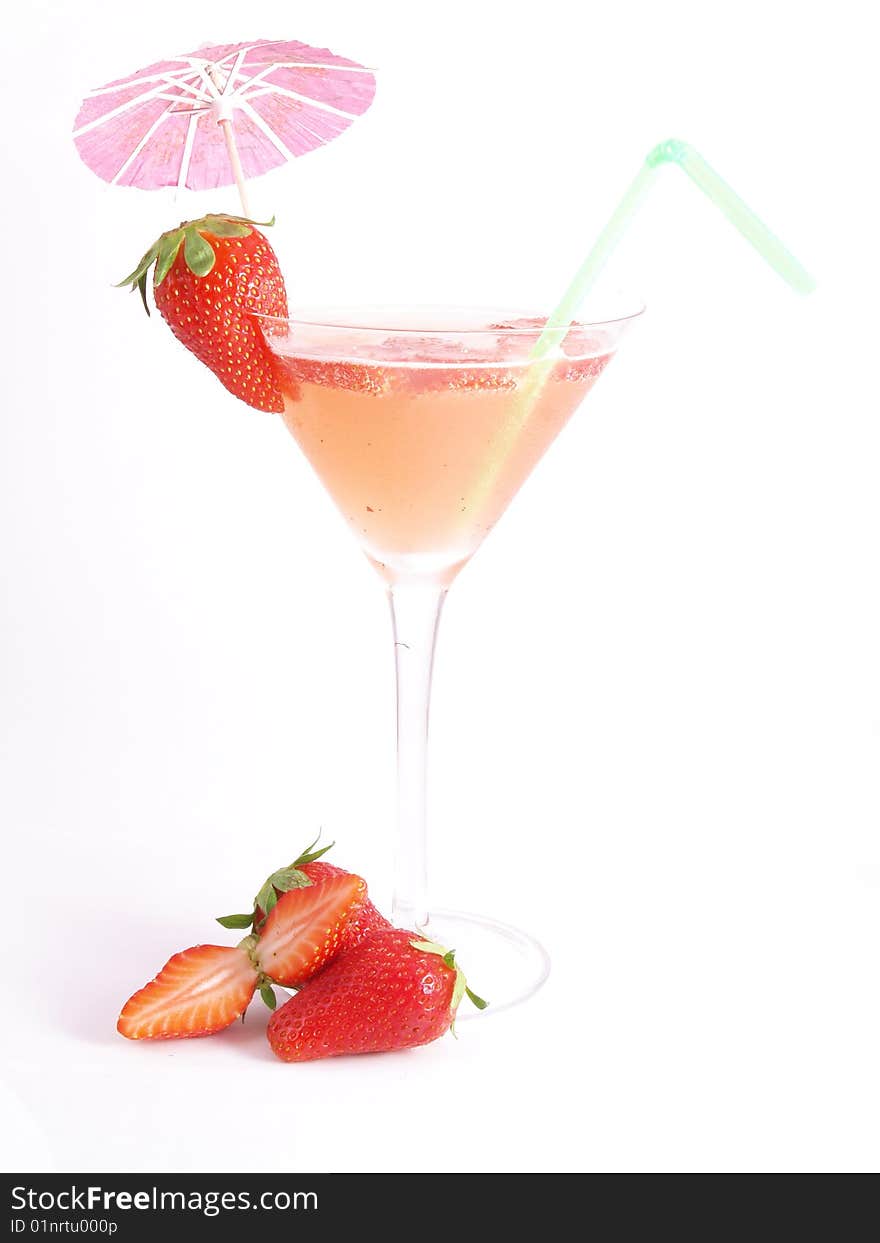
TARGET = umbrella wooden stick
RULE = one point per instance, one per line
(223, 113)
(232, 150)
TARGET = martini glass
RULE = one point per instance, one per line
(422, 425)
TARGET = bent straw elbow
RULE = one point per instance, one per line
(671, 151)
(725, 198)
(740, 215)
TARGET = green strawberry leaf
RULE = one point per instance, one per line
(267, 992)
(309, 855)
(198, 253)
(460, 988)
(282, 880)
(430, 947)
(236, 921)
(263, 896)
(169, 245)
(224, 226)
(263, 224)
(457, 991)
(141, 286)
(142, 267)
(286, 879)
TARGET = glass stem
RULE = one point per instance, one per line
(415, 612)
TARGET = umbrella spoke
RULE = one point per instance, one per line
(186, 156)
(160, 120)
(158, 92)
(266, 129)
(234, 72)
(270, 89)
(211, 89)
(146, 97)
(185, 84)
(115, 87)
(310, 64)
(250, 78)
(182, 99)
(235, 57)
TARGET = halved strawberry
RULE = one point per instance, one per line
(309, 869)
(198, 992)
(362, 922)
(305, 928)
(211, 276)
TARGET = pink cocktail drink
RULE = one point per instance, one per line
(423, 435)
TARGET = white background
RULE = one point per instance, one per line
(656, 720)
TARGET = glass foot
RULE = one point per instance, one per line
(502, 964)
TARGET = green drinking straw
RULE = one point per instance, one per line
(722, 195)
(716, 188)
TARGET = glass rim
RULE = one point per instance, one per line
(345, 318)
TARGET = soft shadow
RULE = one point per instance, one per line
(95, 973)
(87, 999)
(249, 1037)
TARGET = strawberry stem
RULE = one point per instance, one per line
(249, 945)
(309, 855)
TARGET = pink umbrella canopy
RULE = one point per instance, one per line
(220, 115)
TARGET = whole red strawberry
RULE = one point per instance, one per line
(211, 276)
(393, 991)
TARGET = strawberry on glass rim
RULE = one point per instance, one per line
(211, 277)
